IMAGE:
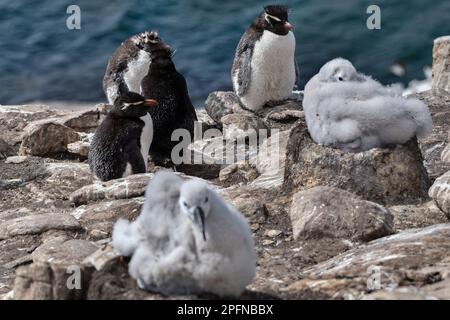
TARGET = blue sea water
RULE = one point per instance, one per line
(41, 60)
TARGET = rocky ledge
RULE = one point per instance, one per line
(327, 224)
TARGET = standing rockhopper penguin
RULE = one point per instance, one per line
(120, 144)
(264, 68)
(175, 110)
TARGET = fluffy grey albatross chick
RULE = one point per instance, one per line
(187, 240)
(351, 111)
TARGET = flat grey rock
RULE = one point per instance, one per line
(36, 224)
(326, 212)
(123, 188)
(440, 192)
(408, 250)
(46, 138)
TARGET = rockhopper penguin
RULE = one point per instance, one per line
(121, 143)
(128, 65)
(264, 68)
(175, 110)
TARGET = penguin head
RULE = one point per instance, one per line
(146, 40)
(195, 202)
(338, 70)
(151, 42)
(275, 19)
(133, 105)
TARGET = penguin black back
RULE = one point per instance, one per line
(175, 110)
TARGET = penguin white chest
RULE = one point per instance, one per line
(272, 70)
(136, 71)
(146, 137)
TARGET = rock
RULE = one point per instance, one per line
(272, 233)
(438, 101)
(57, 272)
(101, 257)
(440, 192)
(219, 151)
(205, 120)
(86, 120)
(283, 116)
(11, 184)
(323, 289)
(25, 168)
(221, 103)
(271, 160)
(112, 282)
(402, 293)
(72, 174)
(441, 63)
(207, 151)
(414, 257)
(102, 216)
(238, 173)
(37, 224)
(202, 116)
(202, 170)
(13, 213)
(239, 125)
(445, 156)
(417, 216)
(46, 137)
(16, 159)
(13, 119)
(123, 188)
(326, 212)
(60, 179)
(15, 252)
(79, 147)
(248, 202)
(5, 149)
(267, 242)
(380, 175)
(439, 290)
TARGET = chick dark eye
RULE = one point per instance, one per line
(341, 79)
(206, 200)
(185, 203)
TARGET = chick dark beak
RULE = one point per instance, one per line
(289, 26)
(199, 218)
(150, 103)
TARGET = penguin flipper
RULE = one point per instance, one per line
(244, 73)
(242, 65)
(297, 74)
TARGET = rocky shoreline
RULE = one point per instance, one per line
(321, 219)
(327, 224)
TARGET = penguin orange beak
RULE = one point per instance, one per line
(289, 26)
(150, 103)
